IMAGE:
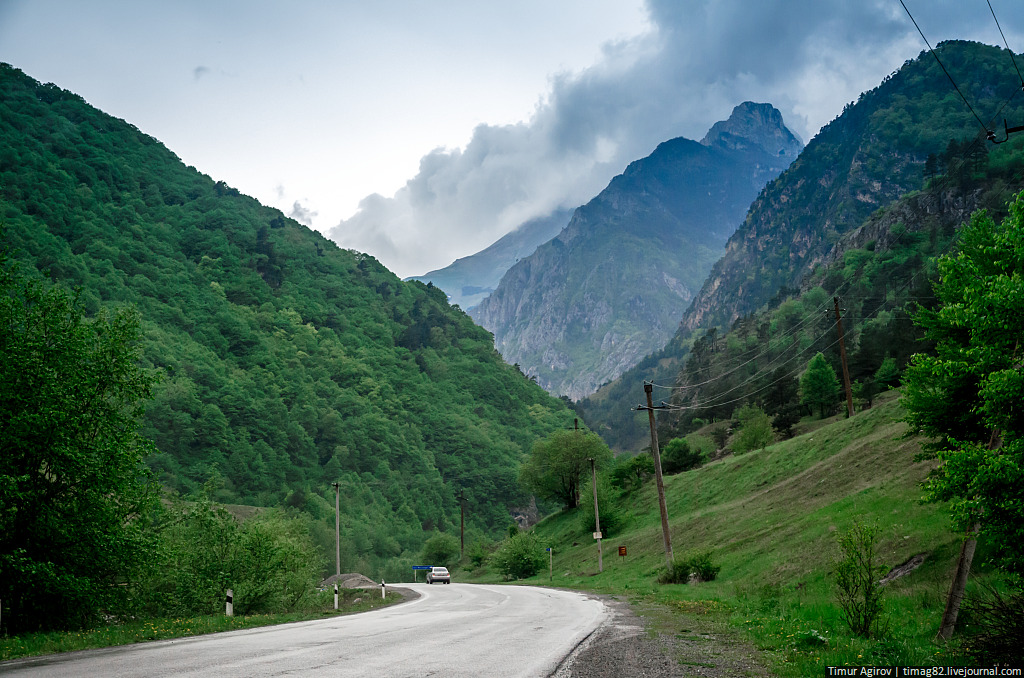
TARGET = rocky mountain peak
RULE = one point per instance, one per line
(753, 124)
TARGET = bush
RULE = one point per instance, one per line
(996, 627)
(630, 474)
(857, 574)
(441, 550)
(755, 430)
(678, 456)
(612, 515)
(697, 567)
(520, 556)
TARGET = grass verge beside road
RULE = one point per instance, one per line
(34, 644)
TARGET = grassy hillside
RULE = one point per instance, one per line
(770, 519)
(287, 363)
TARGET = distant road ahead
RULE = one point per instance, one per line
(451, 630)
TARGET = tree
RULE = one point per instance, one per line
(630, 474)
(519, 556)
(755, 430)
(679, 456)
(441, 550)
(967, 396)
(558, 464)
(74, 496)
(819, 386)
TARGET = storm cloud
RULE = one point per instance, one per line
(808, 58)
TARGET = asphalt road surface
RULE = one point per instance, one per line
(450, 630)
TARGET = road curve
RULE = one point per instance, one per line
(450, 630)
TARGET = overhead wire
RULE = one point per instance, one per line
(988, 133)
(1012, 57)
(947, 179)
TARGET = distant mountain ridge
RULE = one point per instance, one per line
(872, 154)
(611, 286)
(468, 280)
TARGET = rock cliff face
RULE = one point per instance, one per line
(610, 288)
(869, 156)
(470, 279)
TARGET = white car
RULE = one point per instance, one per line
(440, 575)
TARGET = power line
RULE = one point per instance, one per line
(1013, 58)
(988, 133)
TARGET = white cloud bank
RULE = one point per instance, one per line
(701, 58)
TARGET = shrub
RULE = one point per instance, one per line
(612, 515)
(630, 474)
(856, 574)
(519, 556)
(678, 456)
(755, 430)
(697, 567)
(996, 628)
(441, 550)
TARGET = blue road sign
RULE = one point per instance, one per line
(421, 567)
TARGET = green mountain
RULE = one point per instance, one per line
(869, 156)
(851, 173)
(288, 363)
(610, 288)
(469, 280)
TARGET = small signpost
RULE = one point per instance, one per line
(415, 568)
(551, 562)
(622, 551)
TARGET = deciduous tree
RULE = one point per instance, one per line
(74, 495)
(558, 464)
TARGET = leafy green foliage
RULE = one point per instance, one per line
(75, 497)
(441, 550)
(755, 432)
(696, 567)
(558, 465)
(519, 556)
(613, 517)
(290, 363)
(678, 456)
(968, 394)
(269, 561)
(997, 627)
(857, 572)
(819, 386)
(629, 473)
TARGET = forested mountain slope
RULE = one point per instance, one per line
(288, 363)
(611, 286)
(875, 151)
(870, 155)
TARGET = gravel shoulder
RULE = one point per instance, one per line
(646, 639)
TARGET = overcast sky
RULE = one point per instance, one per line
(423, 131)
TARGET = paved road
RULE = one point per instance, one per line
(451, 630)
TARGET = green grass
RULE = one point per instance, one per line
(771, 517)
(32, 644)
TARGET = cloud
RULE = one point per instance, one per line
(807, 57)
(199, 71)
(303, 215)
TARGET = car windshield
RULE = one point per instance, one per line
(440, 570)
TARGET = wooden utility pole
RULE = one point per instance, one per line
(656, 453)
(597, 517)
(462, 526)
(337, 528)
(842, 356)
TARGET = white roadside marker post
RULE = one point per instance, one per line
(230, 605)
(335, 595)
(383, 591)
